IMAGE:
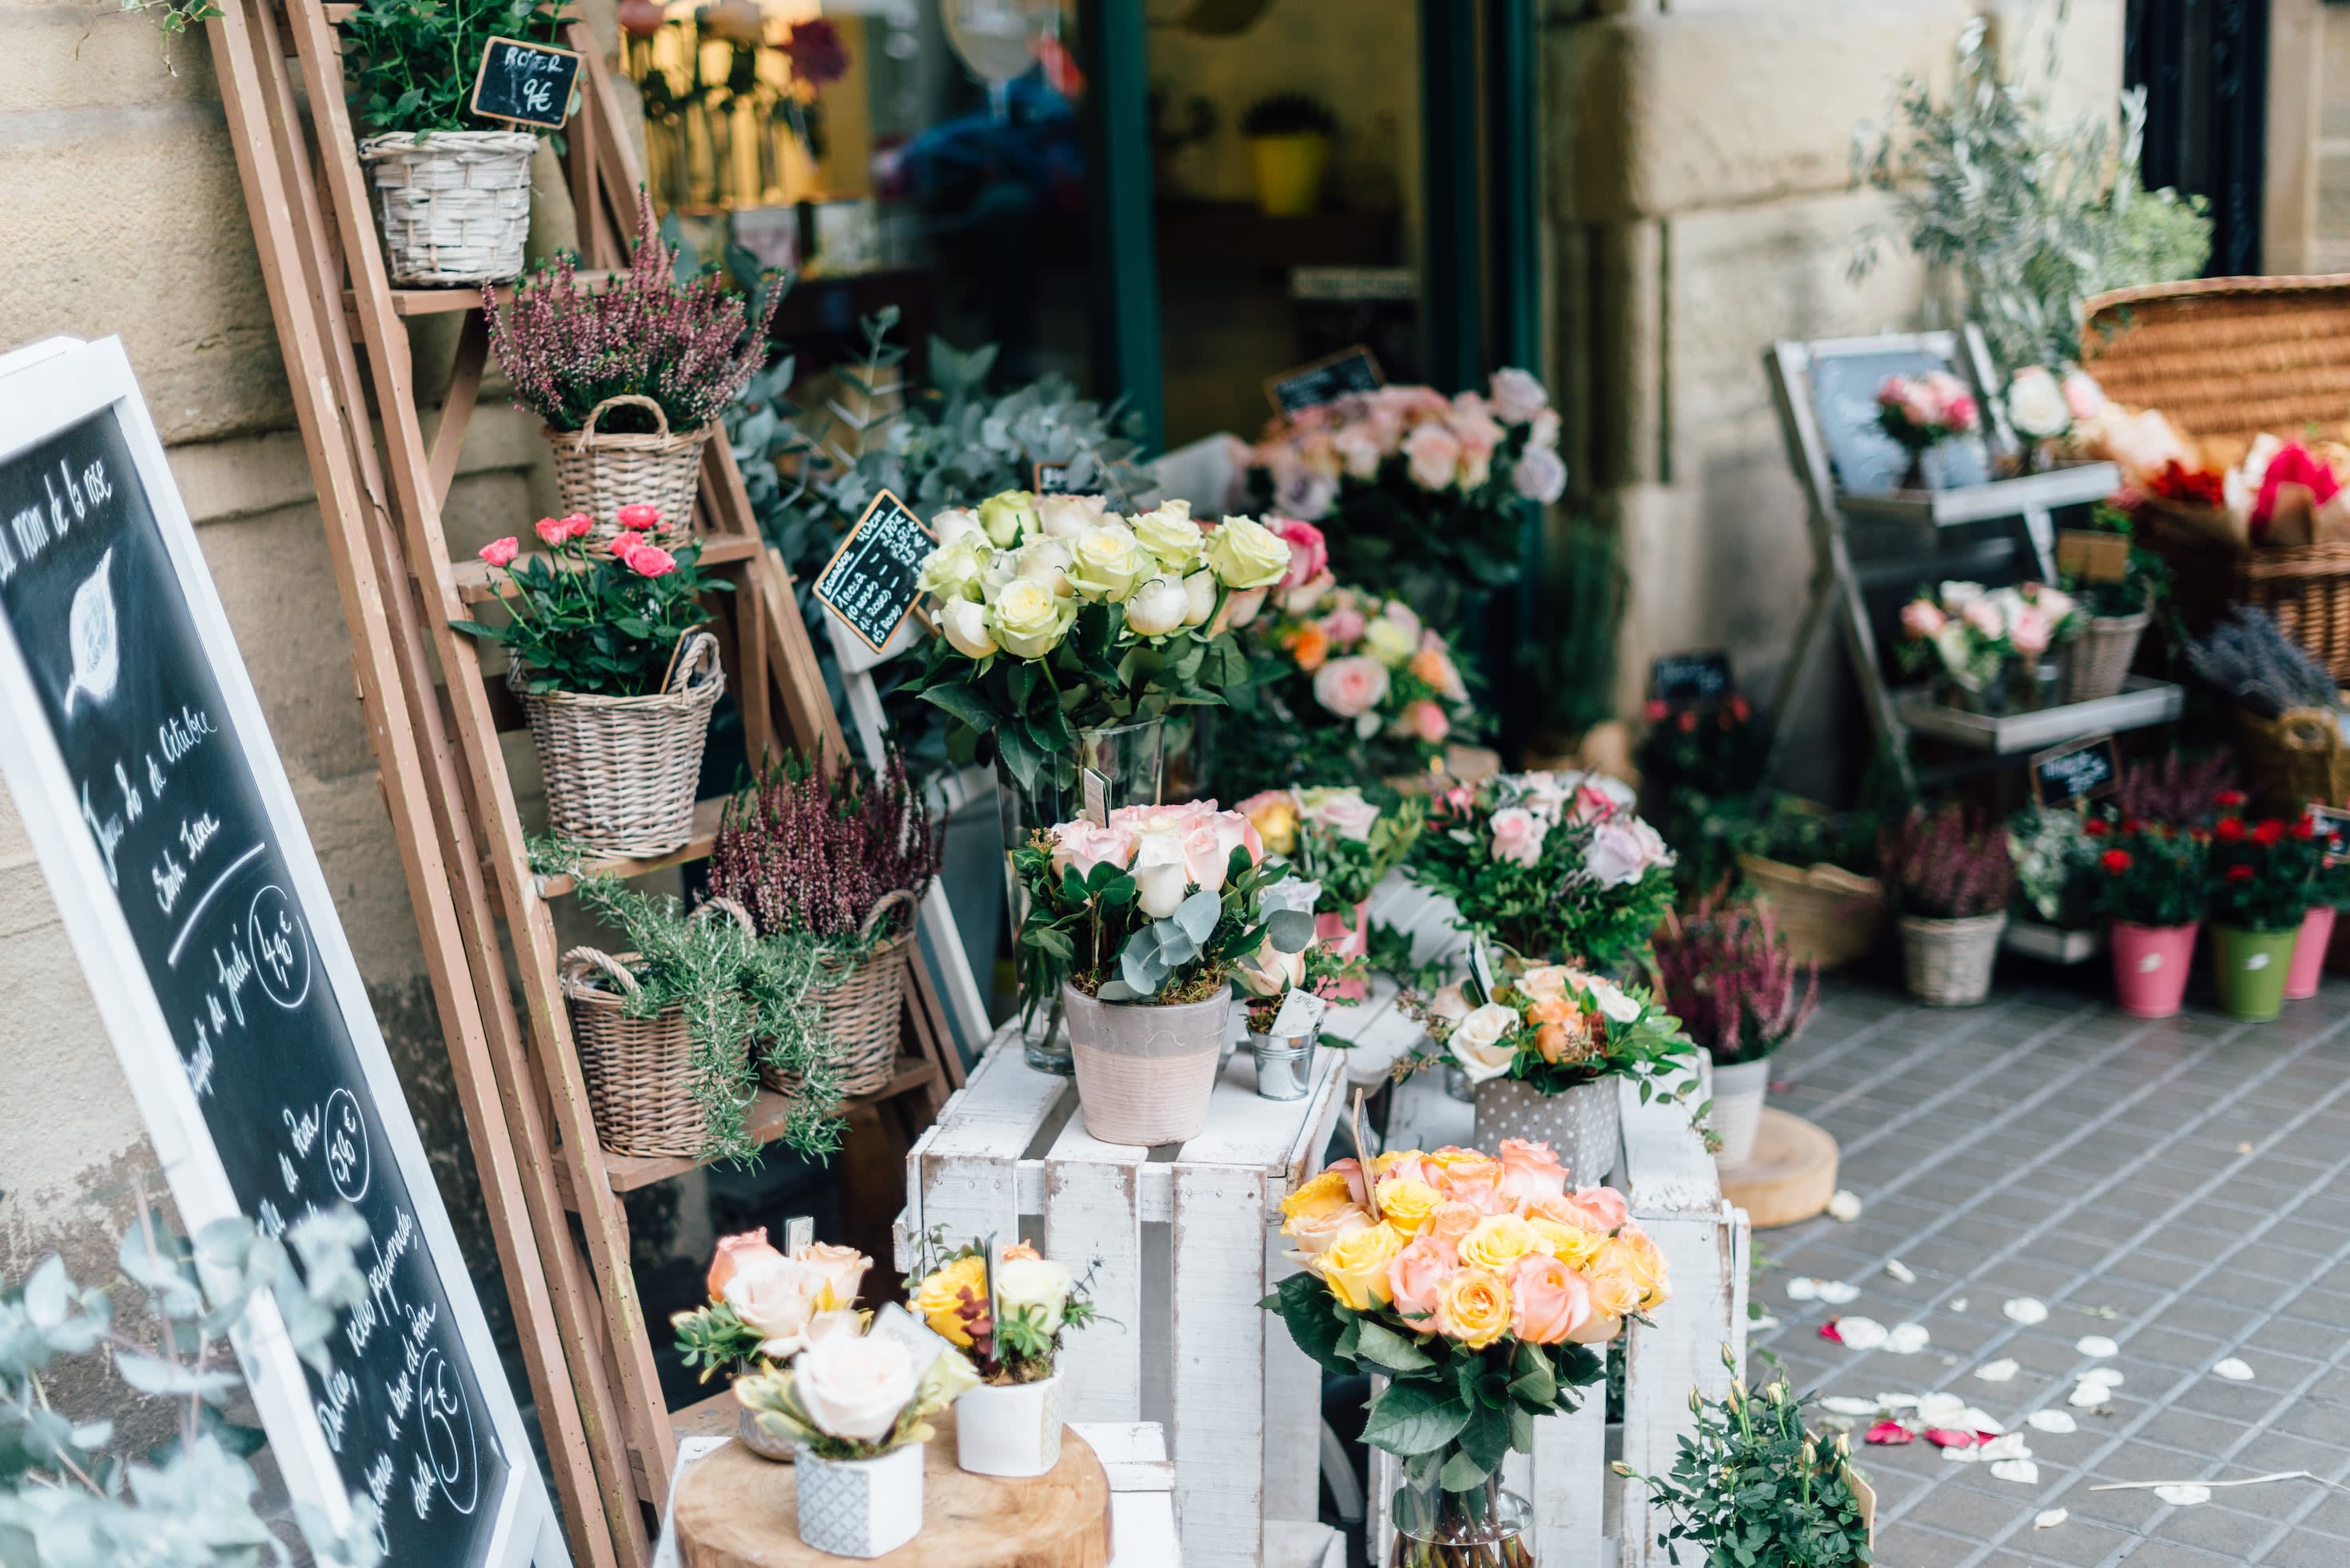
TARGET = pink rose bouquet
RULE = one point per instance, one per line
(1553, 1027)
(1418, 493)
(1973, 637)
(1922, 411)
(1475, 1287)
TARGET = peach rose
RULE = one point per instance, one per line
(1426, 720)
(1411, 1164)
(1469, 1178)
(1530, 1170)
(1631, 1250)
(1452, 1222)
(842, 1269)
(1597, 1329)
(1352, 1169)
(1416, 1274)
(1473, 1306)
(1351, 687)
(1551, 1300)
(1317, 1233)
(1019, 1252)
(1606, 1204)
(732, 1252)
(1615, 1292)
(1309, 645)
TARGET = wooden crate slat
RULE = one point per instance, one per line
(1093, 1220)
(1217, 1237)
(965, 1178)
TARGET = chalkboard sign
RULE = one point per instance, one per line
(1324, 381)
(1051, 478)
(1866, 459)
(528, 84)
(1691, 679)
(2083, 770)
(870, 581)
(136, 751)
(2334, 828)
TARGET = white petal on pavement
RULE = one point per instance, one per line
(1907, 1339)
(2097, 1345)
(2008, 1446)
(2020, 1471)
(2052, 1421)
(2234, 1370)
(1761, 1324)
(2183, 1495)
(1975, 1418)
(1901, 1271)
(2026, 1311)
(1860, 1333)
(1959, 1304)
(1845, 1206)
(2049, 1518)
(1803, 1289)
(2001, 1371)
(1846, 1404)
(1837, 1293)
(2089, 1395)
(1940, 1409)
(1899, 1401)
(1966, 1455)
(2110, 1377)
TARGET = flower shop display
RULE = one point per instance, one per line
(1818, 869)
(1139, 924)
(763, 1304)
(2293, 729)
(675, 1029)
(452, 190)
(628, 377)
(1752, 1485)
(1008, 1314)
(2263, 878)
(1474, 1286)
(1419, 494)
(1984, 645)
(1950, 879)
(1918, 413)
(1343, 844)
(2151, 887)
(1288, 138)
(2112, 615)
(605, 649)
(1728, 975)
(1554, 865)
(1542, 1052)
(855, 1403)
(843, 857)
(2329, 890)
(1343, 685)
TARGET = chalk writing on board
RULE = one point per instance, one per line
(870, 581)
(527, 84)
(1689, 679)
(2082, 770)
(1324, 381)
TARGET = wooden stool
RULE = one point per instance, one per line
(1791, 1177)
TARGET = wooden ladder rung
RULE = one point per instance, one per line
(706, 813)
(450, 298)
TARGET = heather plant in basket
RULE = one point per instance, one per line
(1728, 975)
(598, 622)
(1940, 865)
(2177, 789)
(567, 345)
(813, 851)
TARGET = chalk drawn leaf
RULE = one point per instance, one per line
(90, 633)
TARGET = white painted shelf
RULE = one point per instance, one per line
(2140, 702)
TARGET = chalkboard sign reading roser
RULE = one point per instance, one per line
(2083, 770)
(1324, 381)
(870, 581)
(136, 753)
(1691, 679)
(526, 84)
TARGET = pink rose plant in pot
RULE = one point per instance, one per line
(763, 1304)
(2151, 887)
(1139, 925)
(1983, 648)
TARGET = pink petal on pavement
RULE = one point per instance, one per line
(1945, 1438)
(1889, 1432)
(1828, 1331)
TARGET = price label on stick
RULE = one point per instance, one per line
(1300, 1014)
(870, 581)
(1051, 478)
(525, 84)
(2085, 770)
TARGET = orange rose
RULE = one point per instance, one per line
(1018, 1251)
(1309, 645)
(732, 1252)
(1452, 1221)
(1431, 665)
(1530, 1170)
(1615, 1292)
(1643, 1263)
(1597, 1329)
(1551, 1300)
(1416, 1274)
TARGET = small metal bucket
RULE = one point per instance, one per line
(1285, 1063)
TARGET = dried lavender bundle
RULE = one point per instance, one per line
(803, 851)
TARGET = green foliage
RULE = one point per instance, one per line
(2056, 864)
(2149, 873)
(2030, 218)
(594, 624)
(410, 63)
(714, 1337)
(175, 16)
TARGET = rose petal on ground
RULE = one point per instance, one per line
(1892, 1432)
(2049, 1518)
(1845, 1206)
(2184, 1494)
(1943, 1409)
(1837, 1293)
(2097, 1344)
(1906, 1339)
(1975, 1420)
(2234, 1370)
(1846, 1404)
(2027, 1311)
(1898, 1401)
(1950, 1437)
(2051, 1421)
(1959, 1304)
(2022, 1471)
(2089, 1395)
(1858, 1332)
(1963, 1456)
(2000, 1371)
(1803, 1289)
(1901, 1271)
(2108, 1375)
(2008, 1446)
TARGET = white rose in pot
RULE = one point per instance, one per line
(854, 1387)
(2036, 405)
(1037, 1288)
(1480, 1041)
(777, 1298)
(1161, 874)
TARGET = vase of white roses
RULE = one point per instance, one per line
(1008, 1314)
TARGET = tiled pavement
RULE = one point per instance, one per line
(2181, 1187)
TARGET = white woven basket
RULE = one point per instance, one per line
(455, 204)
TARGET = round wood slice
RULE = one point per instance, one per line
(735, 1509)
(1791, 1177)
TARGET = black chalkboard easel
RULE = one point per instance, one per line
(2083, 770)
(870, 581)
(1324, 381)
(525, 84)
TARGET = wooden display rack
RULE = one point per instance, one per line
(434, 716)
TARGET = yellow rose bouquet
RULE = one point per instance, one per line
(1476, 1285)
(1008, 1313)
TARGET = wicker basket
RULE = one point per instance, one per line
(2293, 761)
(2231, 358)
(859, 1009)
(1949, 962)
(599, 474)
(454, 204)
(640, 1071)
(1827, 913)
(621, 772)
(2098, 660)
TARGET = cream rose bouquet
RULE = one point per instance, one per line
(851, 1394)
(763, 1301)
(1009, 1314)
(1554, 1028)
(1055, 615)
(1974, 637)
(1476, 1286)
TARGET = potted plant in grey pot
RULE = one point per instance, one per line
(1738, 992)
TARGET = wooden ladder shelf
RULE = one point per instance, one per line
(434, 716)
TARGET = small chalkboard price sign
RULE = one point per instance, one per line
(136, 753)
(2333, 826)
(1324, 381)
(870, 581)
(1051, 478)
(525, 84)
(2083, 770)
(1691, 679)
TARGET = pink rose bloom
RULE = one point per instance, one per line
(1419, 1169)
(1517, 835)
(639, 516)
(2084, 399)
(1549, 1300)
(580, 525)
(501, 551)
(650, 560)
(1530, 1170)
(1358, 449)
(1453, 1220)
(551, 531)
(1540, 475)
(1300, 600)
(1351, 687)
(1592, 803)
(1484, 1197)
(2031, 631)
(1475, 430)
(1235, 831)
(1426, 722)
(1084, 846)
(1416, 1274)
(1623, 850)
(1544, 432)
(1921, 618)
(1309, 553)
(1958, 412)
(732, 1252)
(1984, 617)
(1299, 492)
(1352, 1169)
(1605, 1207)
(1434, 455)
(1344, 626)
(1518, 397)
(1238, 610)
(626, 540)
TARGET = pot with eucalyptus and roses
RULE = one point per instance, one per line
(1008, 1315)
(1338, 839)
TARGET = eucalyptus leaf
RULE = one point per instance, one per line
(1290, 930)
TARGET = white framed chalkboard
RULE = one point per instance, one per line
(139, 758)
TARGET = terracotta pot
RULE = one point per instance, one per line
(2308, 966)
(2150, 965)
(1146, 1073)
(1009, 1429)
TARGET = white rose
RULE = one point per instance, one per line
(1158, 608)
(1957, 596)
(854, 1387)
(1390, 643)
(964, 622)
(956, 523)
(1171, 536)
(1246, 554)
(1517, 396)
(1161, 876)
(1067, 516)
(1029, 618)
(1199, 597)
(1477, 1042)
(1105, 563)
(1616, 1004)
(841, 1269)
(1008, 518)
(1037, 1286)
(777, 1298)
(1448, 1004)
(1046, 561)
(2035, 404)
(953, 570)
(1344, 811)
(1623, 849)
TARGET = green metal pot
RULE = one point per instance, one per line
(2250, 969)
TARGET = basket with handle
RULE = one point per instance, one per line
(598, 474)
(2231, 357)
(2098, 660)
(2294, 760)
(639, 1070)
(454, 206)
(859, 1008)
(621, 772)
(1827, 914)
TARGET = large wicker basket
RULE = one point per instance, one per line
(2293, 761)
(1827, 913)
(2231, 357)
(2098, 660)
(454, 204)
(621, 772)
(859, 1009)
(599, 474)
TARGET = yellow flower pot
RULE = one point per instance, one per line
(1289, 172)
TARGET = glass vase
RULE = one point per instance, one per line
(1485, 1527)
(1130, 760)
